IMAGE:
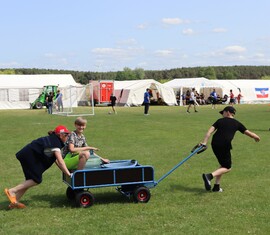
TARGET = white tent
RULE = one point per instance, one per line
(18, 91)
(201, 85)
(131, 93)
(252, 91)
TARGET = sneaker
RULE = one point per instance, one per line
(196, 111)
(220, 190)
(207, 182)
(188, 111)
(17, 205)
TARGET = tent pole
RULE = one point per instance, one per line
(181, 97)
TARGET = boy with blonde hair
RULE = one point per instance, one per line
(77, 152)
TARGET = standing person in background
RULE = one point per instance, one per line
(146, 101)
(113, 100)
(183, 98)
(225, 129)
(35, 159)
(192, 100)
(214, 98)
(232, 100)
(239, 98)
(49, 101)
(187, 97)
(59, 101)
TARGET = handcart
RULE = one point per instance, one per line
(130, 178)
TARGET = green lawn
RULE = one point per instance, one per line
(178, 205)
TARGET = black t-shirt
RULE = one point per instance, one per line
(50, 98)
(225, 131)
(113, 99)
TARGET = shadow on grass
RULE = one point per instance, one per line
(62, 201)
(4, 206)
(198, 191)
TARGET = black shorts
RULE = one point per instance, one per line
(223, 155)
(191, 102)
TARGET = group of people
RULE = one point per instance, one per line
(233, 99)
(69, 150)
(57, 101)
(198, 98)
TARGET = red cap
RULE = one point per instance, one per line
(61, 129)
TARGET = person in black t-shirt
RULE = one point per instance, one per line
(225, 129)
(113, 100)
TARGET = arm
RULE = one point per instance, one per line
(207, 135)
(73, 149)
(252, 135)
(60, 163)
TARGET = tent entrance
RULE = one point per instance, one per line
(156, 98)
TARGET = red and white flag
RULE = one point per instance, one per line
(262, 92)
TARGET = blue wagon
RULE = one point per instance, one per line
(128, 176)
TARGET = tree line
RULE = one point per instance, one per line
(216, 72)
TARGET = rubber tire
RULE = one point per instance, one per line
(84, 199)
(39, 105)
(142, 194)
(70, 193)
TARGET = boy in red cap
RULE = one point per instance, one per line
(35, 158)
(225, 129)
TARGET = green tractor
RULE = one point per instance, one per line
(41, 100)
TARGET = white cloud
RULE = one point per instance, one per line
(259, 55)
(50, 55)
(234, 49)
(142, 26)
(129, 41)
(219, 30)
(174, 21)
(163, 52)
(188, 31)
(119, 54)
(12, 64)
(108, 51)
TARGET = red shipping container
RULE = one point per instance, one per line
(102, 91)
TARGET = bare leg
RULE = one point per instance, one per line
(219, 172)
(83, 157)
(20, 189)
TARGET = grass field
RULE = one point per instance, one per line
(179, 204)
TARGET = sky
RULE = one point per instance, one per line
(110, 35)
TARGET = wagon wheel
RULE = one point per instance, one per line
(70, 193)
(142, 194)
(84, 199)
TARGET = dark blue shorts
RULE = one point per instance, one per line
(32, 165)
